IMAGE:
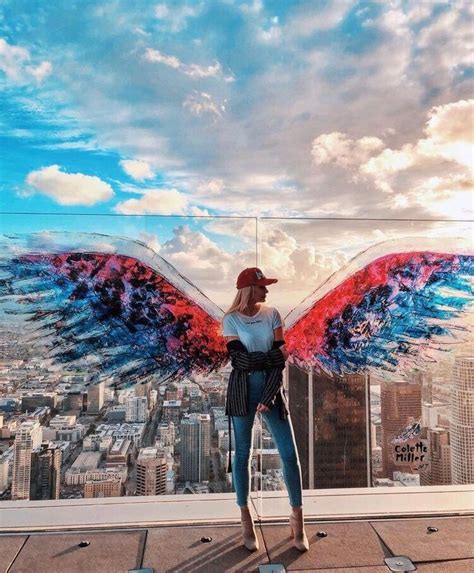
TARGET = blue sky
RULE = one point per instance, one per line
(255, 108)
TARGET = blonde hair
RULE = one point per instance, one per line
(241, 300)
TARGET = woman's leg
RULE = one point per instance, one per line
(282, 432)
(241, 464)
(243, 433)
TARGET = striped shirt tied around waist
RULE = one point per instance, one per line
(272, 363)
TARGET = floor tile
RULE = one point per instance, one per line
(375, 569)
(346, 545)
(9, 546)
(180, 549)
(453, 540)
(458, 566)
(111, 552)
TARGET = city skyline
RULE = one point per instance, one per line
(102, 462)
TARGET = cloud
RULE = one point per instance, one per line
(434, 172)
(175, 18)
(138, 170)
(244, 229)
(192, 70)
(376, 77)
(155, 202)
(201, 103)
(306, 22)
(271, 34)
(252, 8)
(447, 196)
(69, 188)
(341, 150)
(150, 240)
(208, 265)
(15, 64)
(210, 187)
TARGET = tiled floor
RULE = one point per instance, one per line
(348, 547)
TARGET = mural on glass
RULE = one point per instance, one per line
(107, 346)
(374, 346)
(114, 308)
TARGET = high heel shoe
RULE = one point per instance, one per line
(249, 534)
(300, 540)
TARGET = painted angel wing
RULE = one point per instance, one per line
(108, 305)
(409, 432)
(389, 307)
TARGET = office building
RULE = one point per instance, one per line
(166, 433)
(136, 409)
(171, 411)
(5, 468)
(120, 453)
(330, 417)
(151, 472)
(438, 471)
(461, 424)
(195, 431)
(143, 390)
(172, 393)
(85, 461)
(30, 402)
(76, 400)
(400, 406)
(46, 471)
(95, 398)
(28, 437)
(110, 487)
(265, 460)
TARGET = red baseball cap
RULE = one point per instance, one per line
(253, 277)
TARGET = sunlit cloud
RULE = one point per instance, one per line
(69, 188)
(155, 202)
(434, 172)
(138, 170)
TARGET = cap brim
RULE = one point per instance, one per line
(265, 282)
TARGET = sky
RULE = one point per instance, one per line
(188, 124)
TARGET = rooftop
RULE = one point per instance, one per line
(350, 531)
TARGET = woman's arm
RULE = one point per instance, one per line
(229, 338)
(278, 338)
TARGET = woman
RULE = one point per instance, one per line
(254, 335)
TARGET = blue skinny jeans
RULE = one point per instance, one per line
(282, 432)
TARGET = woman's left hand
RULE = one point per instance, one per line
(262, 409)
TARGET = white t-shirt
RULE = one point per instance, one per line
(255, 332)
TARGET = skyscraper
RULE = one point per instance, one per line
(28, 437)
(195, 432)
(143, 390)
(136, 409)
(462, 421)
(95, 398)
(151, 472)
(400, 406)
(330, 421)
(46, 471)
(438, 472)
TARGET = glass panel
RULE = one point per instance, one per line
(113, 369)
(380, 376)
